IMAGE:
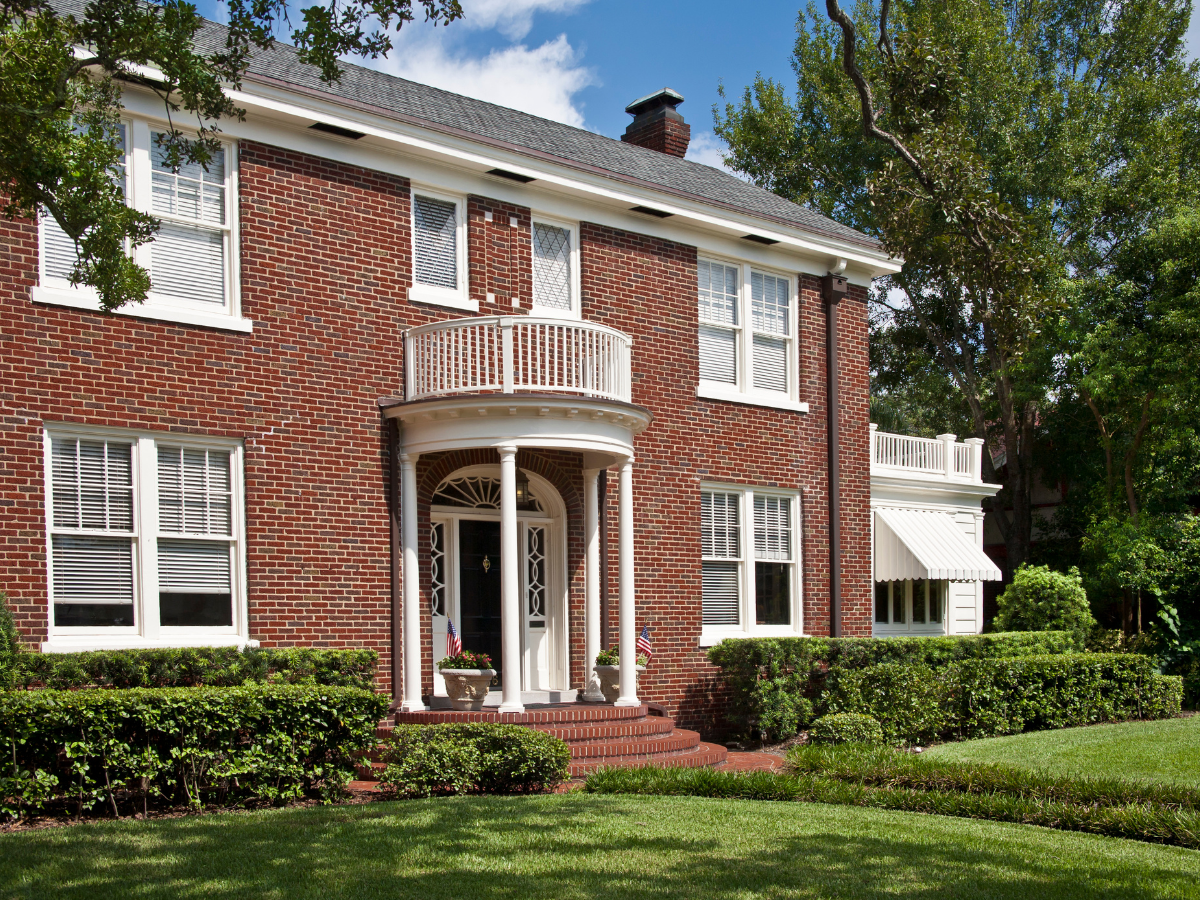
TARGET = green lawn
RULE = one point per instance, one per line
(1167, 750)
(575, 846)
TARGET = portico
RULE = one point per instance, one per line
(506, 385)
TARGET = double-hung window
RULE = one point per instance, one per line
(439, 250)
(750, 551)
(145, 539)
(915, 606)
(555, 269)
(192, 259)
(747, 328)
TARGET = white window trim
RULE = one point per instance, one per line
(457, 298)
(714, 634)
(909, 627)
(60, 292)
(742, 390)
(546, 311)
(146, 632)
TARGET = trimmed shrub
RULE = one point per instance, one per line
(846, 728)
(195, 666)
(776, 685)
(907, 700)
(194, 746)
(10, 645)
(1040, 599)
(485, 757)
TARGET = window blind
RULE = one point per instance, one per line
(191, 191)
(770, 363)
(719, 525)
(772, 527)
(188, 263)
(718, 354)
(194, 491)
(718, 292)
(721, 597)
(92, 570)
(193, 567)
(436, 240)
(551, 266)
(92, 484)
(769, 303)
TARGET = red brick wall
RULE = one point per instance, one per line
(325, 271)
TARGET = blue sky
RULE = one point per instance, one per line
(583, 61)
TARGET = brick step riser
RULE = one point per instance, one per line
(580, 714)
(701, 757)
(678, 742)
(588, 734)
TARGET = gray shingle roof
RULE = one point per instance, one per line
(444, 111)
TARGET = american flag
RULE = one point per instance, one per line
(643, 643)
(453, 641)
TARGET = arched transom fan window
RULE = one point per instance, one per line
(482, 492)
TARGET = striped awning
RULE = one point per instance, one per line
(914, 543)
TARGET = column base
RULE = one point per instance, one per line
(412, 706)
(627, 701)
(511, 708)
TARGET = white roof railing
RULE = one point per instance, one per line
(517, 353)
(941, 456)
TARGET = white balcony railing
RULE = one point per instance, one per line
(940, 456)
(516, 353)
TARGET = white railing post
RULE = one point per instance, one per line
(948, 453)
(976, 445)
(874, 457)
(506, 354)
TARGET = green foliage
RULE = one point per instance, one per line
(908, 700)
(1040, 599)
(612, 657)
(489, 758)
(466, 660)
(190, 666)
(193, 746)
(853, 775)
(10, 644)
(58, 146)
(776, 684)
(846, 728)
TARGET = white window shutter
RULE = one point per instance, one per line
(92, 570)
(552, 266)
(188, 263)
(721, 597)
(436, 241)
(718, 354)
(770, 363)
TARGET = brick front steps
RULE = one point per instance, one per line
(598, 734)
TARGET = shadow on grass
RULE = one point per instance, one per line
(577, 847)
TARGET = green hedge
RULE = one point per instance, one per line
(846, 728)
(489, 758)
(776, 684)
(194, 666)
(121, 750)
(974, 698)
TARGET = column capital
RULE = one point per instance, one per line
(506, 451)
(409, 458)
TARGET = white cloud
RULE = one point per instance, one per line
(705, 147)
(512, 18)
(539, 80)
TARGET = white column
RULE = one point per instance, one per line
(412, 584)
(591, 624)
(628, 625)
(510, 600)
(948, 453)
(976, 445)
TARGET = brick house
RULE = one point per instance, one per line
(412, 358)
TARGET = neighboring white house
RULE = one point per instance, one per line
(927, 540)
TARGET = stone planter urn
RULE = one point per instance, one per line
(467, 688)
(610, 681)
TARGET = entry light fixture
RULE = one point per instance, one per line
(523, 495)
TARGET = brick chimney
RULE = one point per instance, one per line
(657, 125)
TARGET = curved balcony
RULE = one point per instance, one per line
(506, 354)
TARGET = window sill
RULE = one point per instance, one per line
(712, 638)
(707, 390)
(77, 299)
(920, 631)
(421, 293)
(78, 643)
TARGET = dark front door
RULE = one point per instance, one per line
(479, 588)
